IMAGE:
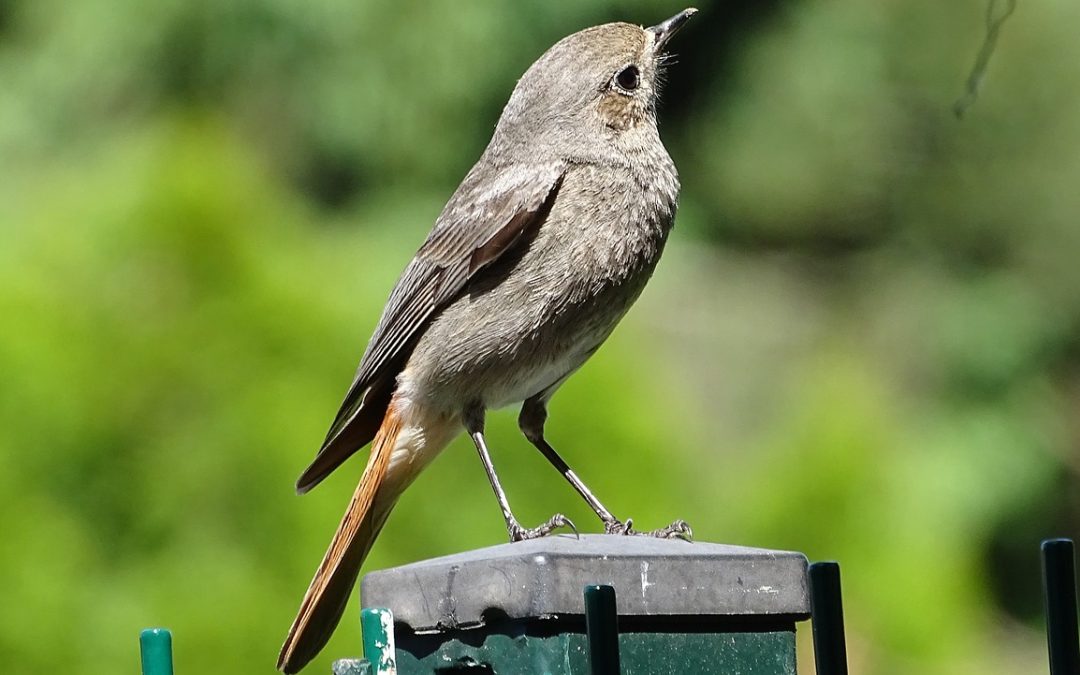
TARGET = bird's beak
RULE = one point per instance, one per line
(665, 29)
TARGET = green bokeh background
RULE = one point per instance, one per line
(863, 341)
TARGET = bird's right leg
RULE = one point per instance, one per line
(531, 422)
(474, 424)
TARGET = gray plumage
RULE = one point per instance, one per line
(538, 313)
(595, 154)
(536, 257)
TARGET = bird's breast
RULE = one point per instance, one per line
(539, 312)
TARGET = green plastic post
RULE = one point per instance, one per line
(378, 627)
(602, 627)
(155, 648)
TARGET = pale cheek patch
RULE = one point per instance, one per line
(621, 112)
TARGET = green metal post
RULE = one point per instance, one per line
(827, 619)
(602, 627)
(1059, 588)
(155, 649)
(379, 649)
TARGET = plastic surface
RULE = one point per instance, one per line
(543, 578)
(155, 651)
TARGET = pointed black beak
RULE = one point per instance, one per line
(665, 29)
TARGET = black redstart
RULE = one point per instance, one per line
(538, 254)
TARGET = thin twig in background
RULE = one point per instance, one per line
(994, 21)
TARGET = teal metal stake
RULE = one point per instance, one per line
(155, 648)
(827, 619)
(379, 649)
(1059, 589)
(602, 628)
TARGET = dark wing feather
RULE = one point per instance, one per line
(486, 217)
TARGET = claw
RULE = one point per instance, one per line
(519, 533)
(569, 523)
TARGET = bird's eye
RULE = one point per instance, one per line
(628, 78)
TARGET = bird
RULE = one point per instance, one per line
(537, 255)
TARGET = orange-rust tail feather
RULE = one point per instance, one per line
(329, 591)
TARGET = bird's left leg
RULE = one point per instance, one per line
(531, 422)
(474, 424)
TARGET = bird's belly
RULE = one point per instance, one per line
(496, 350)
(523, 380)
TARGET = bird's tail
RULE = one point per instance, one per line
(326, 597)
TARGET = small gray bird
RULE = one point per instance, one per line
(538, 254)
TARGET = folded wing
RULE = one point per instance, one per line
(485, 218)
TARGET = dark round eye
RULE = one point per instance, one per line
(628, 78)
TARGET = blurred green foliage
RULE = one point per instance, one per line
(863, 342)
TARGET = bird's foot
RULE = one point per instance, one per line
(519, 533)
(680, 529)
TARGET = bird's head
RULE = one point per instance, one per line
(597, 87)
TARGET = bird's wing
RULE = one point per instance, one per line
(484, 218)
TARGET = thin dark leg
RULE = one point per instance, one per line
(474, 424)
(536, 437)
(531, 422)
